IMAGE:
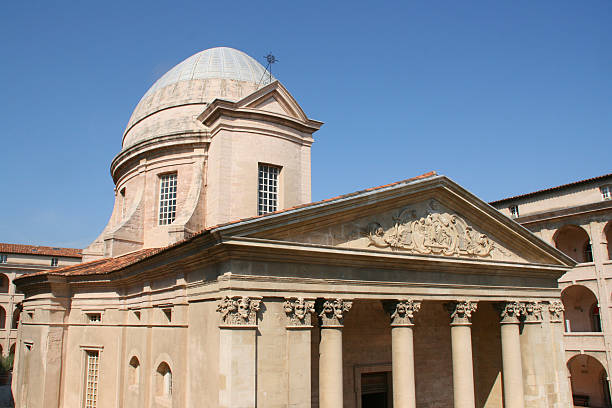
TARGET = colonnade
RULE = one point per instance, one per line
(331, 313)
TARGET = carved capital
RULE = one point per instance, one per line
(331, 312)
(556, 309)
(533, 312)
(238, 310)
(461, 312)
(402, 311)
(298, 311)
(511, 312)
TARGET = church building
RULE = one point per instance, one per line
(218, 283)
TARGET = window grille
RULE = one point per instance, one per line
(91, 380)
(167, 199)
(268, 189)
(54, 261)
(514, 211)
(3, 258)
(94, 317)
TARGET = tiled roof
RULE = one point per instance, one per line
(107, 265)
(551, 189)
(39, 250)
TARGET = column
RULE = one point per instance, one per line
(299, 327)
(331, 314)
(512, 369)
(461, 341)
(402, 349)
(237, 352)
(534, 357)
(560, 372)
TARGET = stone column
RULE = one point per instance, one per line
(331, 314)
(237, 352)
(559, 372)
(402, 348)
(512, 369)
(534, 357)
(298, 312)
(461, 339)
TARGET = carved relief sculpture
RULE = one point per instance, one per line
(298, 311)
(332, 312)
(556, 309)
(402, 311)
(239, 310)
(461, 312)
(533, 312)
(433, 232)
(511, 312)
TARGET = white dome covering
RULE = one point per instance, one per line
(171, 104)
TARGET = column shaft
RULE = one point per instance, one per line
(330, 368)
(298, 362)
(512, 368)
(403, 367)
(463, 370)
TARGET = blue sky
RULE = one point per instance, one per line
(503, 97)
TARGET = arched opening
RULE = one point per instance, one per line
(589, 381)
(581, 309)
(16, 317)
(2, 318)
(574, 242)
(163, 381)
(4, 283)
(12, 349)
(608, 237)
(134, 374)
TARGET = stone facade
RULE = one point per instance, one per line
(413, 294)
(577, 219)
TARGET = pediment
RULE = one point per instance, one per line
(273, 105)
(423, 228)
(274, 98)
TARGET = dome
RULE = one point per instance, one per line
(220, 72)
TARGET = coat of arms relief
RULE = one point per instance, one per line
(431, 230)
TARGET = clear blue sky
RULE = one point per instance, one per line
(504, 97)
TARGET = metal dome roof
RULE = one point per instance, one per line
(219, 62)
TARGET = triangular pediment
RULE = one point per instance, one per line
(429, 216)
(274, 98)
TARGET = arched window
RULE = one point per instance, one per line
(16, 316)
(574, 242)
(608, 237)
(2, 318)
(164, 380)
(134, 375)
(595, 318)
(581, 309)
(4, 283)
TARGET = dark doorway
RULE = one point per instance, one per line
(375, 390)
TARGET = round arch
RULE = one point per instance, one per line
(16, 317)
(575, 242)
(607, 232)
(581, 309)
(4, 283)
(2, 318)
(589, 381)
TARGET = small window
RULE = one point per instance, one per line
(92, 361)
(167, 199)
(168, 313)
(267, 189)
(3, 259)
(137, 314)
(164, 380)
(606, 193)
(588, 252)
(94, 317)
(122, 194)
(134, 371)
(514, 211)
(28, 345)
(54, 261)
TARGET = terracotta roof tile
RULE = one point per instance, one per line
(107, 265)
(39, 250)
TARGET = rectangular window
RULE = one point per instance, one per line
(94, 317)
(268, 189)
(54, 261)
(606, 192)
(3, 258)
(122, 194)
(514, 212)
(91, 378)
(167, 199)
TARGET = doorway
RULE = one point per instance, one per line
(376, 390)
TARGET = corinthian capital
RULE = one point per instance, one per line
(461, 312)
(402, 311)
(533, 312)
(331, 312)
(511, 312)
(298, 311)
(239, 310)
(556, 309)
